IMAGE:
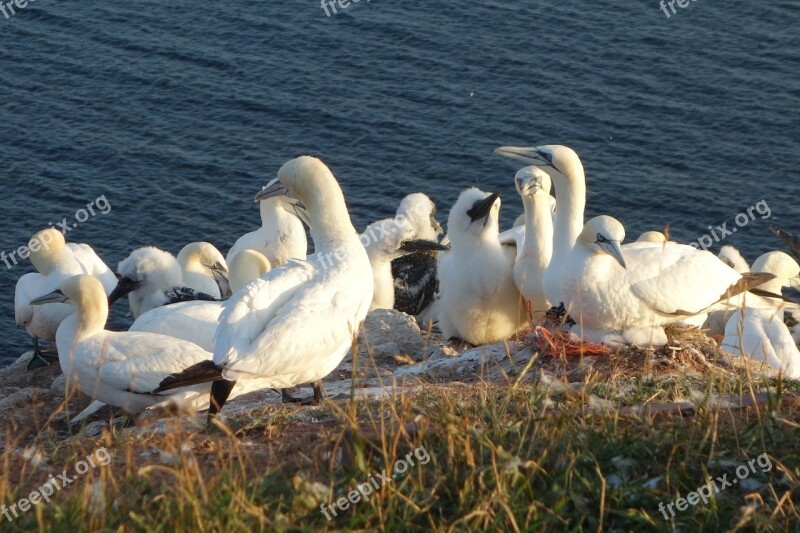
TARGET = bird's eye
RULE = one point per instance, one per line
(600, 238)
(548, 156)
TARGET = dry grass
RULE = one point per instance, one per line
(545, 442)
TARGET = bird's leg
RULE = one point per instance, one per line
(319, 392)
(39, 360)
(220, 390)
(286, 397)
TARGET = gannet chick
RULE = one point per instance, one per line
(630, 297)
(652, 236)
(152, 278)
(566, 170)
(533, 256)
(479, 302)
(201, 265)
(118, 368)
(295, 324)
(196, 321)
(415, 276)
(791, 241)
(387, 240)
(281, 236)
(55, 261)
(731, 257)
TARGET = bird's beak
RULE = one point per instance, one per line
(529, 154)
(420, 245)
(301, 212)
(482, 208)
(436, 226)
(124, 286)
(55, 297)
(218, 270)
(272, 189)
(614, 249)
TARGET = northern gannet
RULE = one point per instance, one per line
(387, 240)
(152, 278)
(202, 267)
(731, 257)
(415, 277)
(196, 321)
(281, 236)
(630, 295)
(565, 168)
(479, 302)
(118, 368)
(295, 324)
(758, 330)
(652, 236)
(55, 261)
(783, 267)
(533, 255)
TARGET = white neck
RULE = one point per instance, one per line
(538, 243)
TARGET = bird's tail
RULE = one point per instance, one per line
(202, 372)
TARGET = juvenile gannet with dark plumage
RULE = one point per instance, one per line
(479, 301)
(387, 240)
(629, 294)
(295, 324)
(152, 278)
(55, 261)
(415, 277)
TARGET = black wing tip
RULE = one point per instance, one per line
(202, 372)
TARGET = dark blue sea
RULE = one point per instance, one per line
(178, 112)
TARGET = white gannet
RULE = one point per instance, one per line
(152, 278)
(761, 334)
(415, 277)
(652, 236)
(281, 236)
(196, 321)
(791, 241)
(55, 261)
(385, 241)
(731, 257)
(783, 267)
(479, 302)
(295, 324)
(533, 255)
(566, 170)
(630, 295)
(202, 265)
(118, 368)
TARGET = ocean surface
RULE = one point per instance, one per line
(178, 112)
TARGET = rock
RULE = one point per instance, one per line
(23, 398)
(464, 365)
(16, 375)
(388, 333)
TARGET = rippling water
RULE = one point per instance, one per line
(179, 111)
